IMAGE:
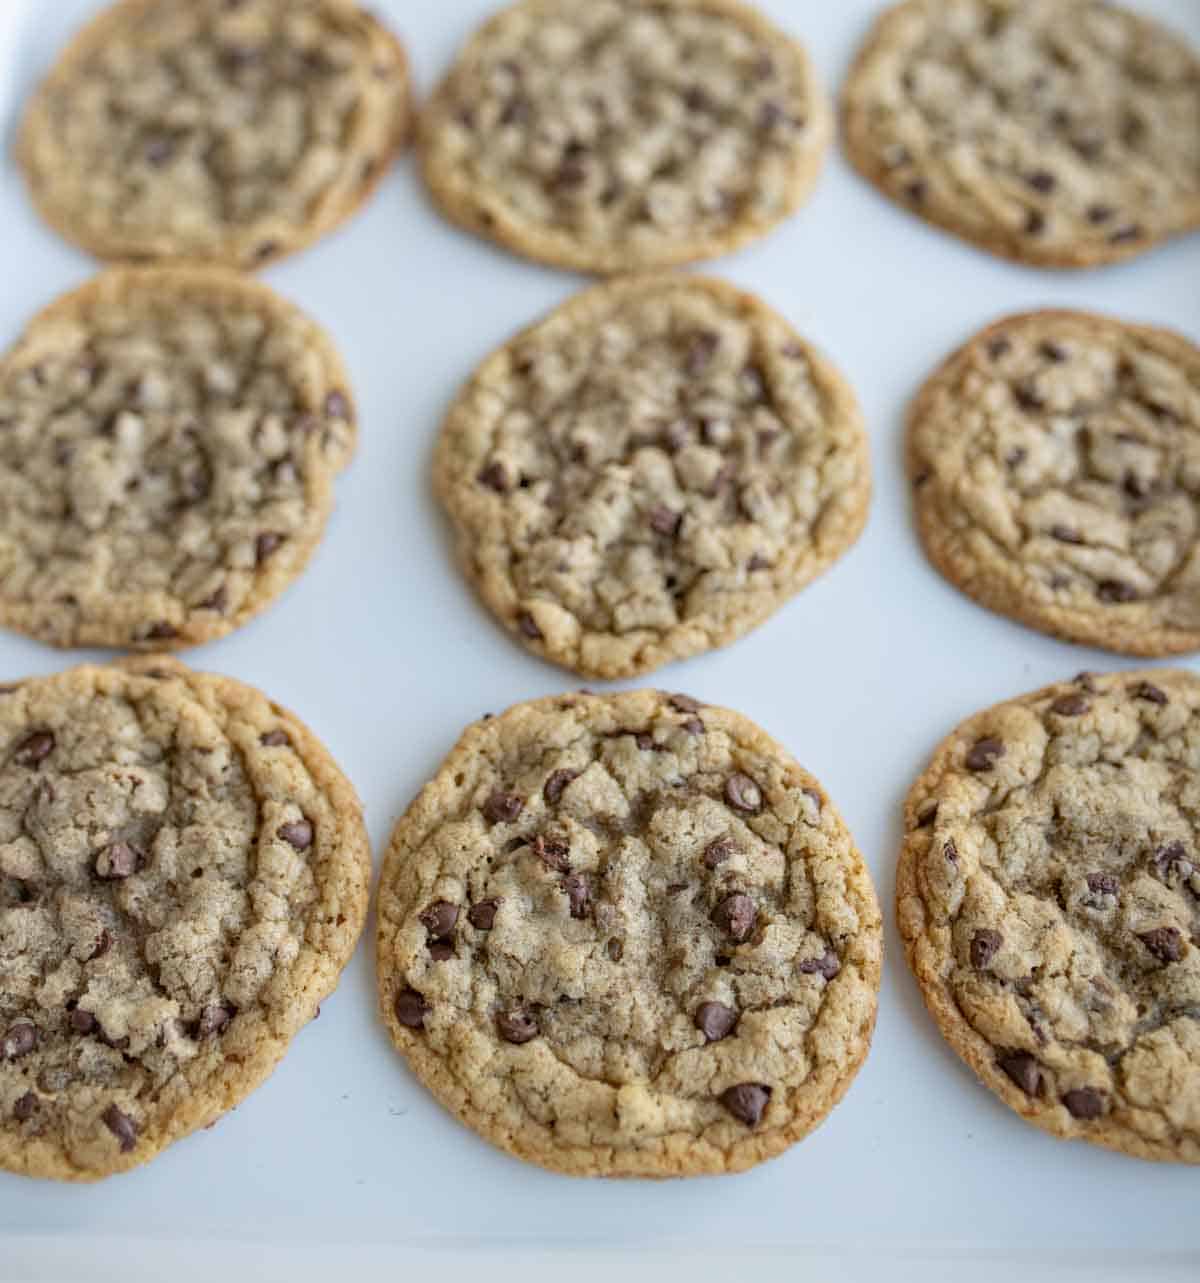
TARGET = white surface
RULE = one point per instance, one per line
(382, 649)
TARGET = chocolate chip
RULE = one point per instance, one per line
(121, 1126)
(440, 919)
(552, 852)
(337, 405)
(746, 1102)
(757, 562)
(999, 346)
(20, 1039)
(1116, 590)
(701, 350)
(502, 808)
(684, 703)
(1035, 223)
(265, 250)
(743, 794)
(441, 950)
(158, 150)
(216, 600)
(950, 851)
(556, 782)
(1064, 534)
(1070, 706)
(296, 833)
(579, 894)
(275, 739)
(265, 545)
(1027, 397)
(31, 750)
(718, 851)
(495, 478)
(214, 1020)
(1148, 691)
(411, 1008)
(1171, 857)
(118, 860)
(615, 950)
(917, 191)
(1023, 1069)
(1053, 351)
(826, 966)
(1166, 943)
(736, 915)
(715, 1020)
(645, 741)
(160, 631)
(528, 626)
(1042, 180)
(665, 522)
(984, 755)
(1084, 1103)
(482, 916)
(26, 1107)
(516, 1026)
(82, 1022)
(1097, 214)
(1130, 232)
(101, 947)
(1103, 884)
(985, 944)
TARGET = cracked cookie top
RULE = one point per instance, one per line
(183, 875)
(1055, 461)
(1062, 133)
(628, 936)
(609, 136)
(1049, 900)
(227, 131)
(650, 472)
(169, 439)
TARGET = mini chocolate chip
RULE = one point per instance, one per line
(757, 562)
(1052, 351)
(214, 1020)
(31, 750)
(771, 114)
(1097, 214)
(1023, 1069)
(917, 191)
(1116, 590)
(693, 726)
(743, 794)
(1027, 397)
(26, 1107)
(1064, 534)
(715, 1020)
(216, 600)
(265, 250)
(746, 1102)
(552, 852)
(1042, 180)
(121, 1126)
(1148, 691)
(495, 478)
(1035, 222)
(337, 405)
(482, 916)
(579, 894)
(411, 1008)
(516, 1026)
(1166, 943)
(1070, 706)
(296, 833)
(1087, 681)
(20, 1039)
(101, 947)
(275, 739)
(1084, 1103)
(1130, 232)
(160, 631)
(1016, 456)
(644, 741)
(556, 782)
(826, 966)
(118, 860)
(684, 703)
(985, 944)
(718, 851)
(528, 626)
(701, 350)
(1171, 856)
(82, 1022)
(999, 346)
(665, 522)
(441, 950)
(984, 755)
(736, 915)
(927, 815)
(440, 919)
(265, 545)
(502, 808)
(158, 150)
(615, 950)
(1103, 884)
(950, 851)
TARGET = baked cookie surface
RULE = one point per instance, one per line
(628, 936)
(1061, 133)
(183, 876)
(650, 472)
(170, 441)
(620, 135)
(1048, 895)
(225, 131)
(1055, 464)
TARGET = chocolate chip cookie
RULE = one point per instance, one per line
(650, 472)
(1049, 899)
(627, 935)
(223, 131)
(169, 439)
(1055, 464)
(618, 135)
(183, 876)
(1061, 133)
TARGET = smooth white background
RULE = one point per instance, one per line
(382, 649)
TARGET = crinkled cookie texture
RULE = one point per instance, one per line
(1061, 133)
(1049, 899)
(169, 438)
(224, 131)
(650, 472)
(1055, 463)
(628, 936)
(183, 876)
(619, 135)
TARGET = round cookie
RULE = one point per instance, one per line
(224, 131)
(1060, 133)
(627, 935)
(650, 472)
(1055, 464)
(608, 136)
(1048, 895)
(183, 876)
(170, 440)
